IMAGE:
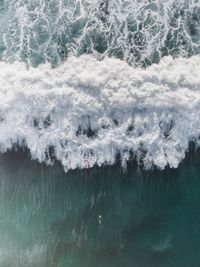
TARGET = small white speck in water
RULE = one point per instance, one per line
(99, 218)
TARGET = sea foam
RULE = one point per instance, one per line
(88, 112)
(139, 32)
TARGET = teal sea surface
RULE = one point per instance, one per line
(100, 217)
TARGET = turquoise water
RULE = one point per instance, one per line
(98, 217)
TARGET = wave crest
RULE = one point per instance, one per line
(89, 112)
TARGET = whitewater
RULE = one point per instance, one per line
(90, 112)
(98, 82)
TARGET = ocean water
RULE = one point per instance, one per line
(99, 133)
(100, 217)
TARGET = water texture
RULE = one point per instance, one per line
(82, 87)
(89, 83)
(49, 218)
(137, 31)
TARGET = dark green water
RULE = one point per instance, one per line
(51, 219)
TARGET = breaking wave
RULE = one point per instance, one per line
(97, 81)
(89, 111)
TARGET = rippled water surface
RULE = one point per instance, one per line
(98, 217)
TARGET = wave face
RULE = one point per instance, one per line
(140, 32)
(89, 112)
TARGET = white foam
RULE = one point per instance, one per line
(137, 31)
(91, 110)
